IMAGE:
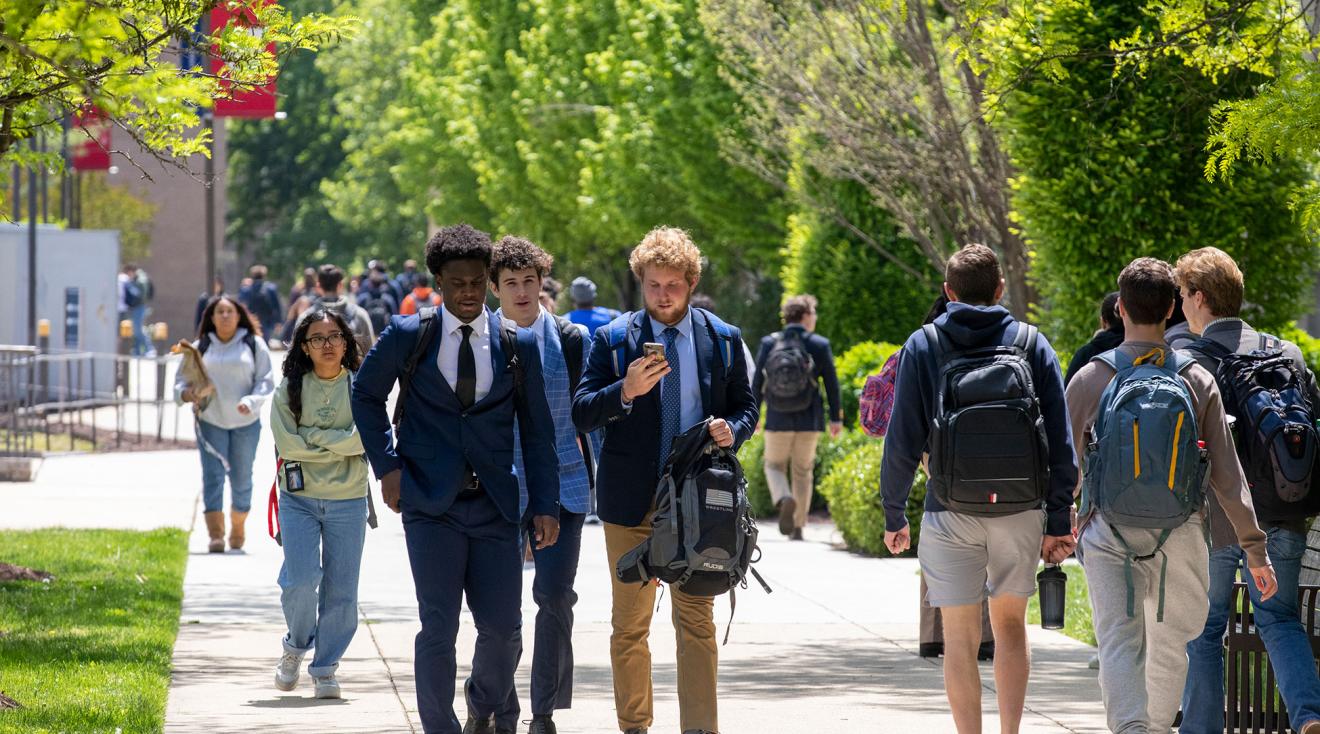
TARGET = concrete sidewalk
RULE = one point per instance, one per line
(834, 645)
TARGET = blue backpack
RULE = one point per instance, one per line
(620, 342)
(1146, 465)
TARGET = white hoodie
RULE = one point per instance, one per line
(241, 376)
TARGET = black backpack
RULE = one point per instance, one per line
(378, 311)
(790, 376)
(428, 322)
(1274, 429)
(988, 450)
(703, 537)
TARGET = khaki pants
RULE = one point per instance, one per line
(630, 652)
(799, 448)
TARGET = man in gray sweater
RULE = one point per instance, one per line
(1143, 656)
(1212, 293)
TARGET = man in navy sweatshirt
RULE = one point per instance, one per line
(967, 554)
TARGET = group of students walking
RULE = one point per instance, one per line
(511, 426)
(505, 423)
(1188, 449)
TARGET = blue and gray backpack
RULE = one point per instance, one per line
(1146, 465)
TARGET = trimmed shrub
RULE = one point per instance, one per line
(1309, 345)
(854, 366)
(853, 490)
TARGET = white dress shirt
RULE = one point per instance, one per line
(690, 383)
(447, 359)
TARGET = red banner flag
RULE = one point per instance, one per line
(247, 101)
(89, 148)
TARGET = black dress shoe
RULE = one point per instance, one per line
(638, 730)
(787, 506)
(930, 649)
(479, 726)
(542, 724)
(986, 651)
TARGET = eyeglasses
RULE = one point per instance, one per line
(333, 341)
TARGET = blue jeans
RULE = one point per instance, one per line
(141, 341)
(319, 579)
(239, 447)
(1279, 628)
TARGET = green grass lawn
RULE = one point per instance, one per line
(1077, 615)
(90, 651)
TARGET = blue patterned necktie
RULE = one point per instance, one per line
(671, 398)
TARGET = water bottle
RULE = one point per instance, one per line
(1053, 584)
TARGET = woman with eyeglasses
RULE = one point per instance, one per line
(322, 500)
(228, 412)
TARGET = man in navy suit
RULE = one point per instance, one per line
(644, 402)
(450, 471)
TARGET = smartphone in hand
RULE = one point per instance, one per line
(654, 351)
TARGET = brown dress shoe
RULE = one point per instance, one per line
(787, 508)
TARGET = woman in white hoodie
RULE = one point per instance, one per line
(228, 412)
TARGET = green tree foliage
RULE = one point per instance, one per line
(1111, 169)
(579, 124)
(58, 57)
(862, 295)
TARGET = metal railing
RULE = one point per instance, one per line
(85, 401)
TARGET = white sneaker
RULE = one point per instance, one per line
(326, 686)
(287, 672)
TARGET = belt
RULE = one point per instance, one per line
(471, 486)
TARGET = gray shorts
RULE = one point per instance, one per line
(965, 556)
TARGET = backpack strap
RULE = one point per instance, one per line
(1025, 338)
(619, 342)
(1130, 557)
(935, 340)
(427, 325)
(509, 342)
(723, 334)
(570, 343)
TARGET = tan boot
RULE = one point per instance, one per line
(215, 530)
(236, 530)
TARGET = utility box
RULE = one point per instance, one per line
(77, 291)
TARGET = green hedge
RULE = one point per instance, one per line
(828, 451)
(853, 367)
(853, 489)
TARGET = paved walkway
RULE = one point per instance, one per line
(835, 644)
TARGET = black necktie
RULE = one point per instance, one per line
(467, 370)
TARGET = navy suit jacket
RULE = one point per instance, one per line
(628, 471)
(438, 439)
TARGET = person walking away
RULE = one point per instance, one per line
(377, 300)
(133, 295)
(262, 299)
(329, 278)
(322, 479)
(517, 271)
(1107, 337)
(985, 393)
(1151, 424)
(790, 367)
(405, 280)
(646, 400)
(421, 295)
(1212, 292)
(217, 288)
(585, 311)
(447, 464)
(228, 416)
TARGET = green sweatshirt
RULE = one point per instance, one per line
(326, 442)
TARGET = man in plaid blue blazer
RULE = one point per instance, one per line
(517, 269)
